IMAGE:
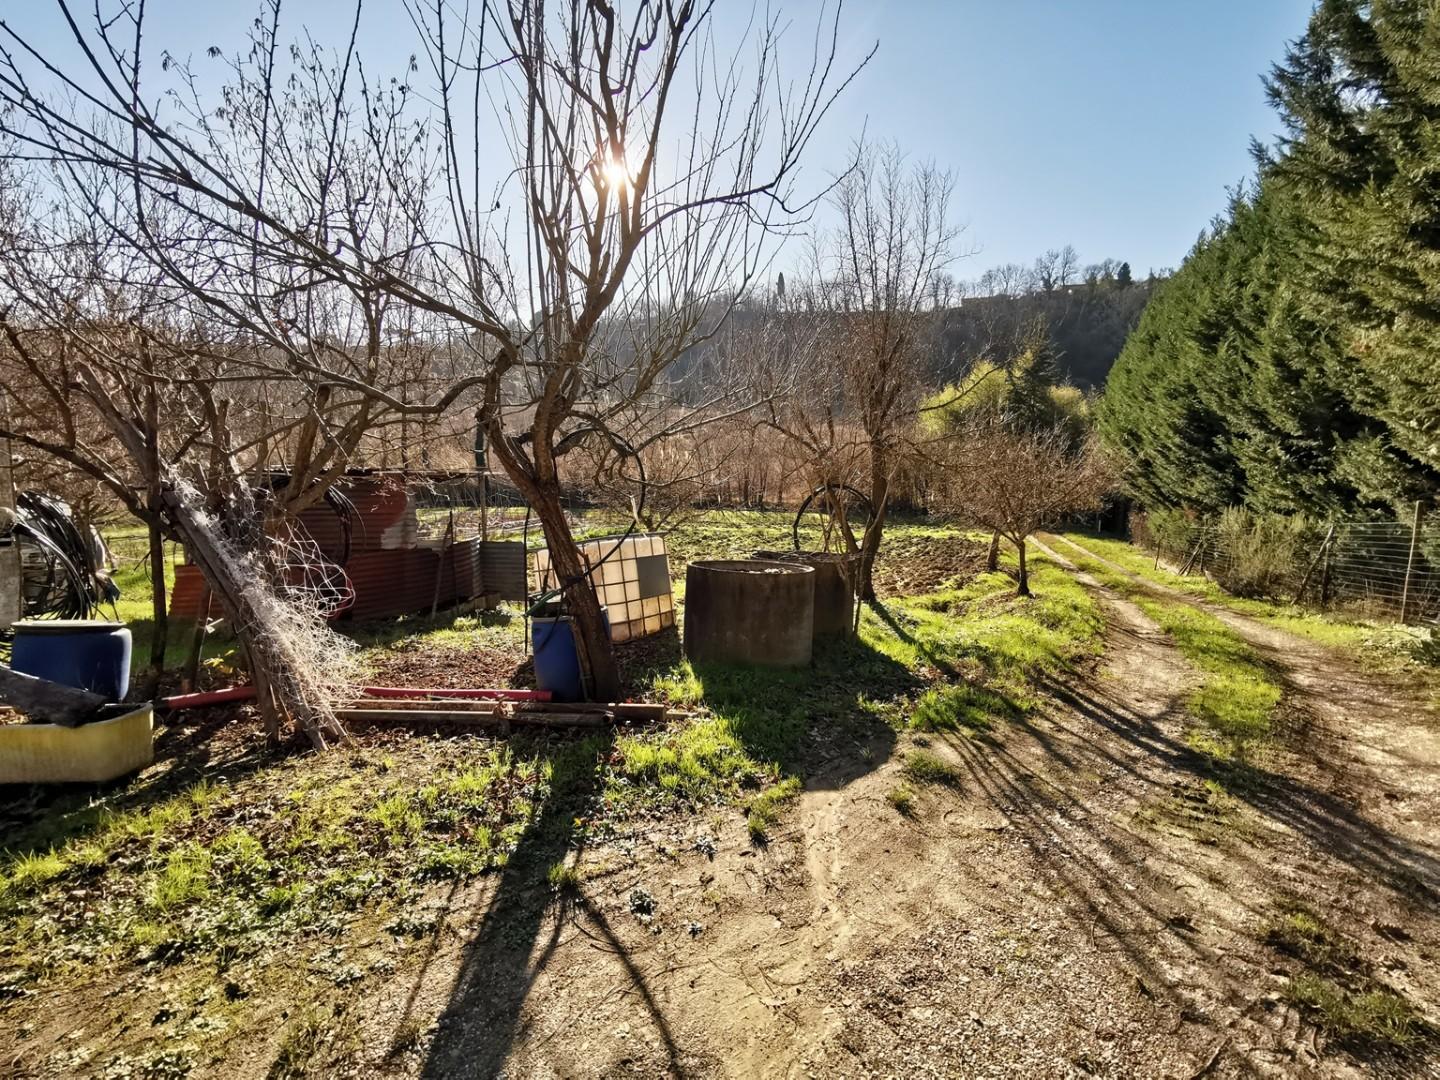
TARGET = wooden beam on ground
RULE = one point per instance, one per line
(627, 710)
(496, 714)
(473, 717)
(51, 702)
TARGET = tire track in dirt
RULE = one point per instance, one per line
(1348, 796)
(1370, 738)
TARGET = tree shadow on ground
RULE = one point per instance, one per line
(1128, 882)
(1330, 823)
(820, 721)
(809, 721)
(928, 650)
(513, 943)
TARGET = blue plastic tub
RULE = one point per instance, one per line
(557, 663)
(91, 655)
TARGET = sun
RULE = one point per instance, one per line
(615, 173)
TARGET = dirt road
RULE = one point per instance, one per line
(1085, 902)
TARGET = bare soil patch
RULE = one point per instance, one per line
(911, 563)
(421, 663)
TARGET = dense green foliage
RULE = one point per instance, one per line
(1023, 397)
(1291, 364)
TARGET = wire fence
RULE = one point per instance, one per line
(1387, 570)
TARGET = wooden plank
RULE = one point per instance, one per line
(627, 710)
(469, 717)
(52, 702)
(448, 704)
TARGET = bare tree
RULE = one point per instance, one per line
(647, 173)
(1056, 269)
(1017, 482)
(860, 335)
(105, 372)
(1007, 280)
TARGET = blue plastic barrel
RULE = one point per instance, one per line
(91, 655)
(557, 662)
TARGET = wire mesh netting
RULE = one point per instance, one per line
(1380, 569)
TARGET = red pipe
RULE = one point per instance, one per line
(423, 692)
(209, 697)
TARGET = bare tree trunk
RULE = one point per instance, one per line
(992, 560)
(1023, 588)
(870, 544)
(161, 623)
(592, 638)
(161, 627)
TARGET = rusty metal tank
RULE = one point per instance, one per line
(834, 591)
(749, 611)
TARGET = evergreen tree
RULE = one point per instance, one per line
(1292, 363)
(1360, 97)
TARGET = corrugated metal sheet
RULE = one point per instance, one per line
(384, 518)
(399, 581)
(185, 595)
(503, 570)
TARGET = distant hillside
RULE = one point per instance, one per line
(1081, 315)
(1086, 325)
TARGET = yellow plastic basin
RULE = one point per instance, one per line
(90, 753)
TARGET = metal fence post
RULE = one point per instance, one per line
(1410, 562)
(1325, 575)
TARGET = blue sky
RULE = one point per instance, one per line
(1112, 125)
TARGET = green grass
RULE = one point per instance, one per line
(764, 809)
(563, 878)
(183, 880)
(1334, 987)
(194, 868)
(1237, 700)
(1378, 643)
(902, 798)
(927, 767)
(1236, 703)
(992, 646)
(962, 659)
(1296, 929)
(964, 708)
(1373, 1018)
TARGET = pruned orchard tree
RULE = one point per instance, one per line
(1016, 482)
(855, 340)
(644, 178)
(106, 369)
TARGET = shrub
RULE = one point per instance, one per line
(1263, 554)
